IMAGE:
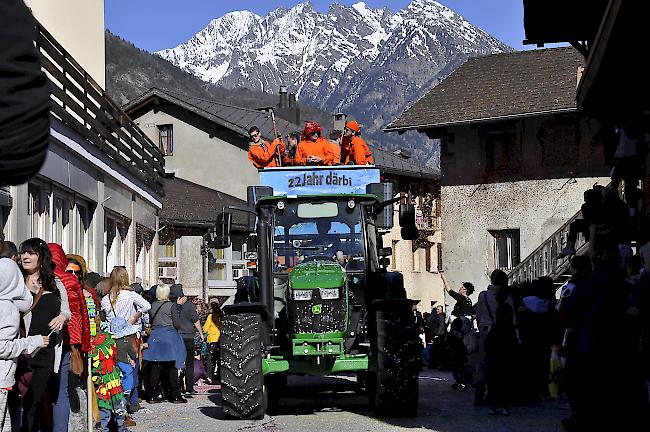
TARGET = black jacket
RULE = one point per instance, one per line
(24, 97)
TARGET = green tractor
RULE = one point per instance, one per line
(321, 301)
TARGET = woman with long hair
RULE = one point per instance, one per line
(212, 328)
(122, 301)
(46, 317)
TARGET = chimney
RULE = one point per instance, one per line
(283, 97)
(339, 121)
(294, 110)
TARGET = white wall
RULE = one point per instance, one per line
(536, 207)
(78, 25)
(206, 161)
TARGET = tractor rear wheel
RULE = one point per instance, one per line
(242, 379)
(398, 360)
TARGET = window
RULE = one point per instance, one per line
(82, 235)
(439, 247)
(166, 139)
(116, 229)
(60, 222)
(39, 212)
(502, 151)
(506, 248)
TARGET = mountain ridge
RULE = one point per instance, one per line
(369, 63)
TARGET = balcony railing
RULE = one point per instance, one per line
(81, 103)
(544, 261)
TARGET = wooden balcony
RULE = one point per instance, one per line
(82, 104)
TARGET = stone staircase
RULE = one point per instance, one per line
(544, 261)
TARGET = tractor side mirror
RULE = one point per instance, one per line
(220, 236)
(407, 222)
(384, 194)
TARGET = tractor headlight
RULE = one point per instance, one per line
(329, 293)
(302, 294)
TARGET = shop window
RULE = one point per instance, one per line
(506, 248)
(39, 212)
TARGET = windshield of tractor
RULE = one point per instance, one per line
(317, 231)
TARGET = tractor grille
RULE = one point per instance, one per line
(332, 316)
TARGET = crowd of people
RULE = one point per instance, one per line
(310, 147)
(153, 345)
(586, 339)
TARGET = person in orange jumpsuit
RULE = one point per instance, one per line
(333, 148)
(311, 149)
(262, 153)
(354, 149)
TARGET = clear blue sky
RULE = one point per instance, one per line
(157, 24)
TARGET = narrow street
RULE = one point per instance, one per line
(331, 404)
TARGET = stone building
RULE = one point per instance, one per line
(100, 189)
(516, 157)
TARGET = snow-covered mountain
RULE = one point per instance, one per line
(369, 63)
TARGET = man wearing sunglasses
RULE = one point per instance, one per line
(311, 149)
(262, 153)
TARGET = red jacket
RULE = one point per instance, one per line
(78, 329)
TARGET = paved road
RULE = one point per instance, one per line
(332, 405)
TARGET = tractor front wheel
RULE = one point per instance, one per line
(242, 379)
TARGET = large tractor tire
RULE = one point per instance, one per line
(398, 360)
(242, 380)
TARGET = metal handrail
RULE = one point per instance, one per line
(544, 260)
(81, 103)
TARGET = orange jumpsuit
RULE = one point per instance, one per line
(356, 151)
(332, 153)
(265, 154)
(310, 148)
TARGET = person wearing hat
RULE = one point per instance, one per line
(311, 149)
(189, 323)
(354, 149)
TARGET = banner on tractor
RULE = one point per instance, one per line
(319, 180)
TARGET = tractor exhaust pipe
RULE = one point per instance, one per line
(265, 268)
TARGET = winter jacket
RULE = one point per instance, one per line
(308, 148)
(24, 97)
(78, 329)
(264, 155)
(356, 151)
(14, 298)
(187, 316)
(212, 330)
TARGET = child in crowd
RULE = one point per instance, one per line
(14, 298)
(106, 377)
(126, 354)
